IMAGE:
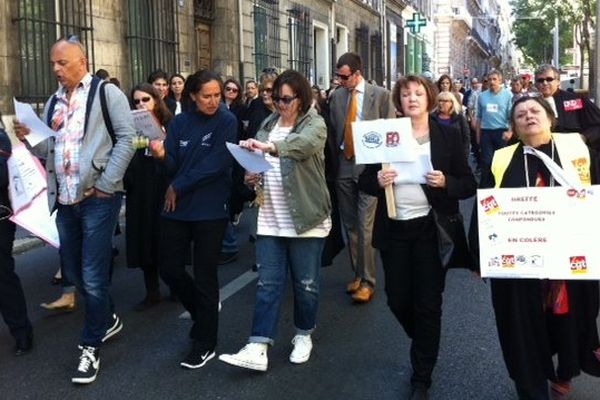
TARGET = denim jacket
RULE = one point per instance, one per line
(302, 168)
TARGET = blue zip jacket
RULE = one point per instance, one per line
(198, 164)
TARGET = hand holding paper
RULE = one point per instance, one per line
(28, 119)
(252, 161)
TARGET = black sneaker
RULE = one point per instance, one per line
(197, 357)
(115, 327)
(89, 364)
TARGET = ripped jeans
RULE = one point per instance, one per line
(273, 256)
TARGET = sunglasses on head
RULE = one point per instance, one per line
(547, 79)
(285, 99)
(231, 89)
(344, 77)
(143, 99)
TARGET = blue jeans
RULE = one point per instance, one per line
(273, 256)
(86, 230)
(490, 141)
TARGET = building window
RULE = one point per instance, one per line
(300, 40)
(377, 57)
(40, 24)
(362, 48)
(266, 34)
(153, 37)
(204, 10)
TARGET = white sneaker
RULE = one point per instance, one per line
(302, 348)
(252, 356)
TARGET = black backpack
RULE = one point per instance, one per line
(103, 105)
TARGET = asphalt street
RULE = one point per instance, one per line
(360, 351)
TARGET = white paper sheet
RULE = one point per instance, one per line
(412, 172)
(251, 161)
(26, 116)
(26, 180)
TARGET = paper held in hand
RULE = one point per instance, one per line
(539, 232)
(384, 141)
(147, 125)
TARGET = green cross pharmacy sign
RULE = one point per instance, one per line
(416, 23)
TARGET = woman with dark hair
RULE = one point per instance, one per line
(540, 320)
(444, 83)
(259, 110)
(198, 168)
(176, 84)
(145, 190)
(293, 220)
(159, 79)
(415, 269)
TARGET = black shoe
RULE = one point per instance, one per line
(89, 364)
(149, 301)
(419, 393)
(226, 258)
(197, 357)
(115, 327)
(23, 345)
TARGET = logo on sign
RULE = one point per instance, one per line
(536, 261)
(521, 260)
(392, 139)
(490, 205)
(508, 261)
(494, 262)
(578, 264)
(572, 105)
(372, 140)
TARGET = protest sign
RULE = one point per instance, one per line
(383, 141)
(544, 233)
(147, 125)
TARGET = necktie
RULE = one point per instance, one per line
(350, 117)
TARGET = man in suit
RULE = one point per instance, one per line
(573, 113)
(356, 100)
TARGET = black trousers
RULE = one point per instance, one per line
(12, 298)
(198, 294)
(533, 393)
(414, 283)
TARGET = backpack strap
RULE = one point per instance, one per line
(106, 114)
(51, 107)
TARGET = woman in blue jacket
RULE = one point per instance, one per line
(198, 169)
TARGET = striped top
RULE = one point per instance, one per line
(274, 218)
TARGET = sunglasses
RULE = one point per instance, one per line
(231, 89)
(143, 99)
(547, 79)
(267, 89)
(285, 99)
(344, 77)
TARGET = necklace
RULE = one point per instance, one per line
(527, 166)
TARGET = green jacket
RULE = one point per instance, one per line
(302, 168)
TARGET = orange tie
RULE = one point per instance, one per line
(350, 117)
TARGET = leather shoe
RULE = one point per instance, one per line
(66, 302)
(23, 345)
(364, 294)
(353, 285)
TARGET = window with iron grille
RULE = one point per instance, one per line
(377, 57)
(300, 40)
(153, 37)
(40, 24)
(266, 35)
(362, 48)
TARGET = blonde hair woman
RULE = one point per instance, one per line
(448, 112)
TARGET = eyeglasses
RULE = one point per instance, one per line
(547, 79)
(267, 89)
(142, 100)
(231, 89)
(269, 70)
(344, 77)
(444, 101)
(285, 99)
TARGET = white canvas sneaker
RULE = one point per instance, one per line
(302, 348)
(252, 356)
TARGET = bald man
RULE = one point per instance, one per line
(85, 165)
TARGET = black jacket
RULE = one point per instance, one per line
(582, 116)
(5, 150)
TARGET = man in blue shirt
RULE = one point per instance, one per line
(493, 114)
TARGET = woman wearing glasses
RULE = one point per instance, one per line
(145, 191)
(259, 110)
(446, 113)
(293, 220)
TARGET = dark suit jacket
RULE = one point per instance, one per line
(584, 120)
(447, 156)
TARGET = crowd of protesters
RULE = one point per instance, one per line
(185, 192)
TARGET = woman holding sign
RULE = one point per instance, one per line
(145, 190)
(410, 242)
(538, 319)
(293, 220)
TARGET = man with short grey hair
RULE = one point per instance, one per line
(85, 165)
